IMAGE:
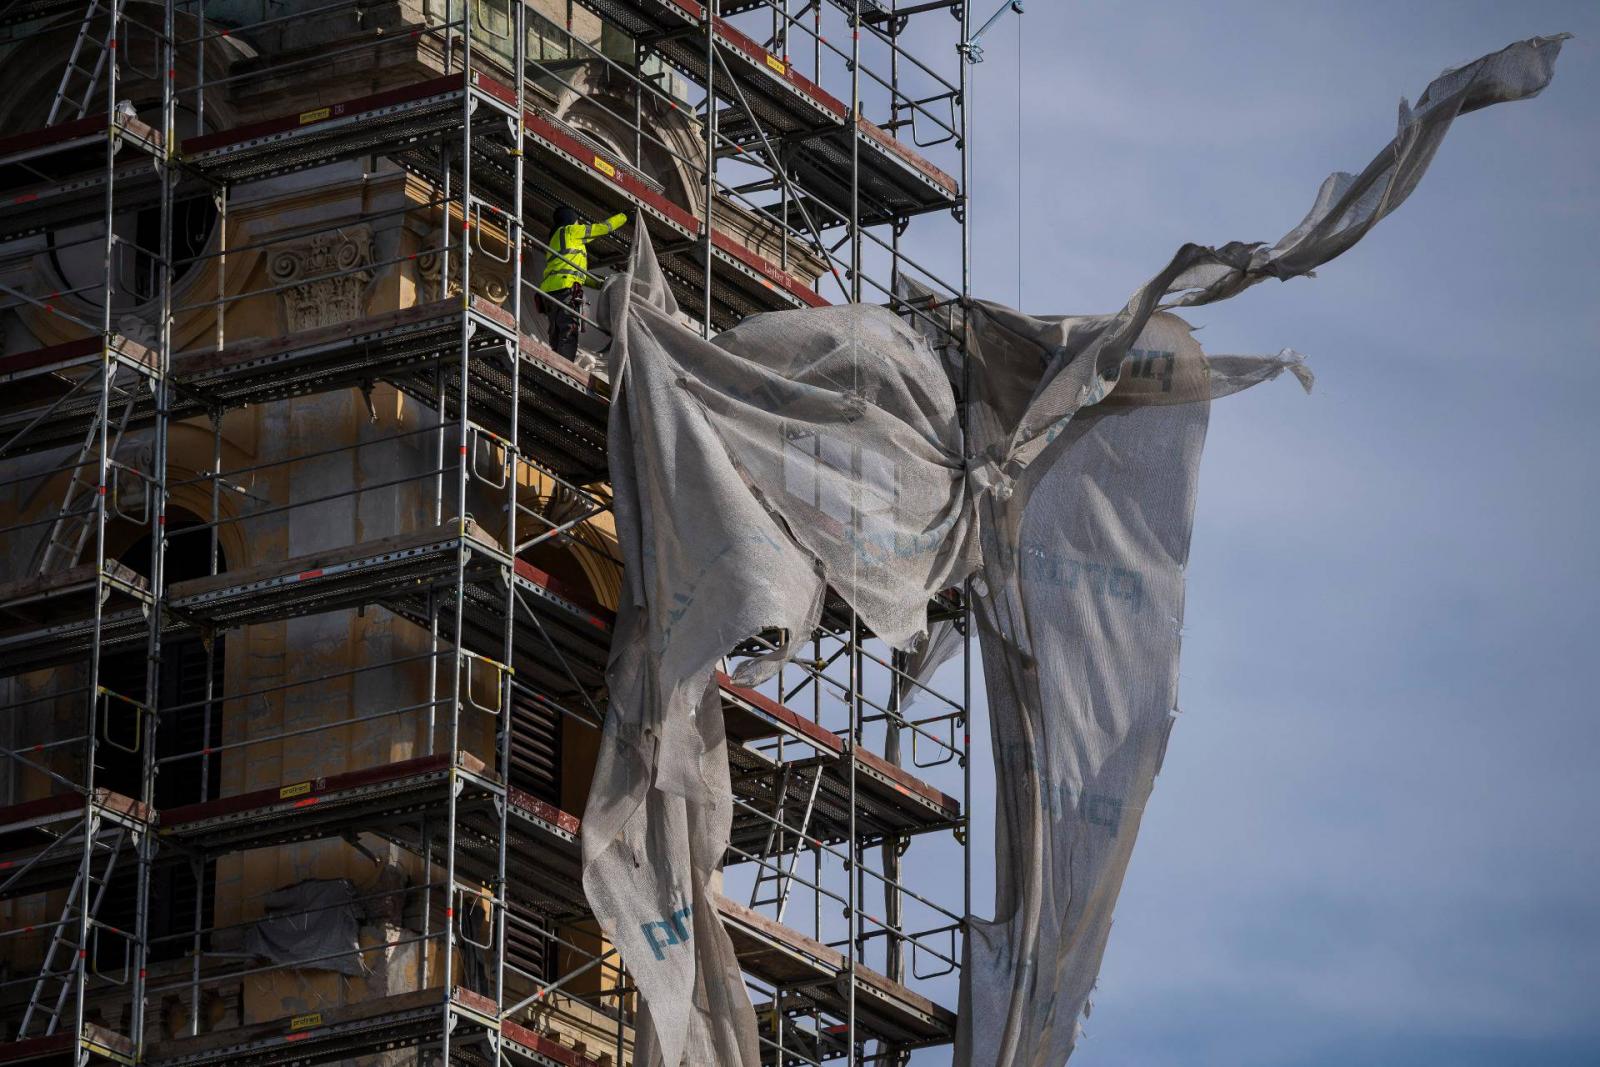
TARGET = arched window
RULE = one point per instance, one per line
(77, 253)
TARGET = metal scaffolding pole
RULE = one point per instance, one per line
(482, 151)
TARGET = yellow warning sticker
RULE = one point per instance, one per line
(299, 789)
(314, 116)
(777, 64)
(604, 168)
(301, 1022)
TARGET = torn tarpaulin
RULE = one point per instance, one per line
(812, 449)
(799, 451)
(1079, 616)
(310, 924)
(1083, 552)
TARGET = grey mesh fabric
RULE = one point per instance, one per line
(1079, 613)
(813, 449)
(1090, 449)
(799, 451)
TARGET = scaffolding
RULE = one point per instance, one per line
(132, 196)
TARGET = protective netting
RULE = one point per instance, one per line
(821, 449)
(799, 451)
(1090, 430)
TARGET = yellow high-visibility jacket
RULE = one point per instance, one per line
(568, 265)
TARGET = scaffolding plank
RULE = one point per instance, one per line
(51, 395)
(49, 619)
(563, 408)
(527, 1045)
(340, 577)
(778, 954)
(780, 94)
(314, 808)
(784, 957)
(754, 716)
(42, 599)
(57, 174)
(64, 1048)
(28, 830)
(390, 1022)
(368, 1026)
(345, 128)
(812, 125)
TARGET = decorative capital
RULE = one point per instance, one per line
(326, 277)
(486, 285)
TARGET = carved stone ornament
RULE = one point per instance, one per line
(327, 277)
(486, 285)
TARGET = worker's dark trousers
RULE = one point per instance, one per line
(564, 308)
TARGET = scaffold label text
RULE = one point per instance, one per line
(315, 116)
(673, 928)
(299, 789)
(604, 168)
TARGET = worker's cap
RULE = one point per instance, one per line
(565, 215)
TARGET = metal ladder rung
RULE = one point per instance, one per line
(60, 937)
(86, 37)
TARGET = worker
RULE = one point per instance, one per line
(566, 268)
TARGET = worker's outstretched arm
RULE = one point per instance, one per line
(600, 229)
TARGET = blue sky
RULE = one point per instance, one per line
(1375, 839)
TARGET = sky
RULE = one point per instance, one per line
(1374, 840)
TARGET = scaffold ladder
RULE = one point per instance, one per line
(64, 936)
(70, 532)
(783, 842)
(72, 102)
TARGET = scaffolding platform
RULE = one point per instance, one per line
(50, 397)
(889, 801)
(565, 651)
(381, 1024)
(13, 12)
(55, 175)
(376, 123)
(52, 617)
(563, 408)
(345, 576)
(778, 105)
(403, 1020)
(803, 967)
(49, 618)
(544, 863)
(364, 800)
(37, 837)
(65, 1049)
(544, 870)
(895, 182)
